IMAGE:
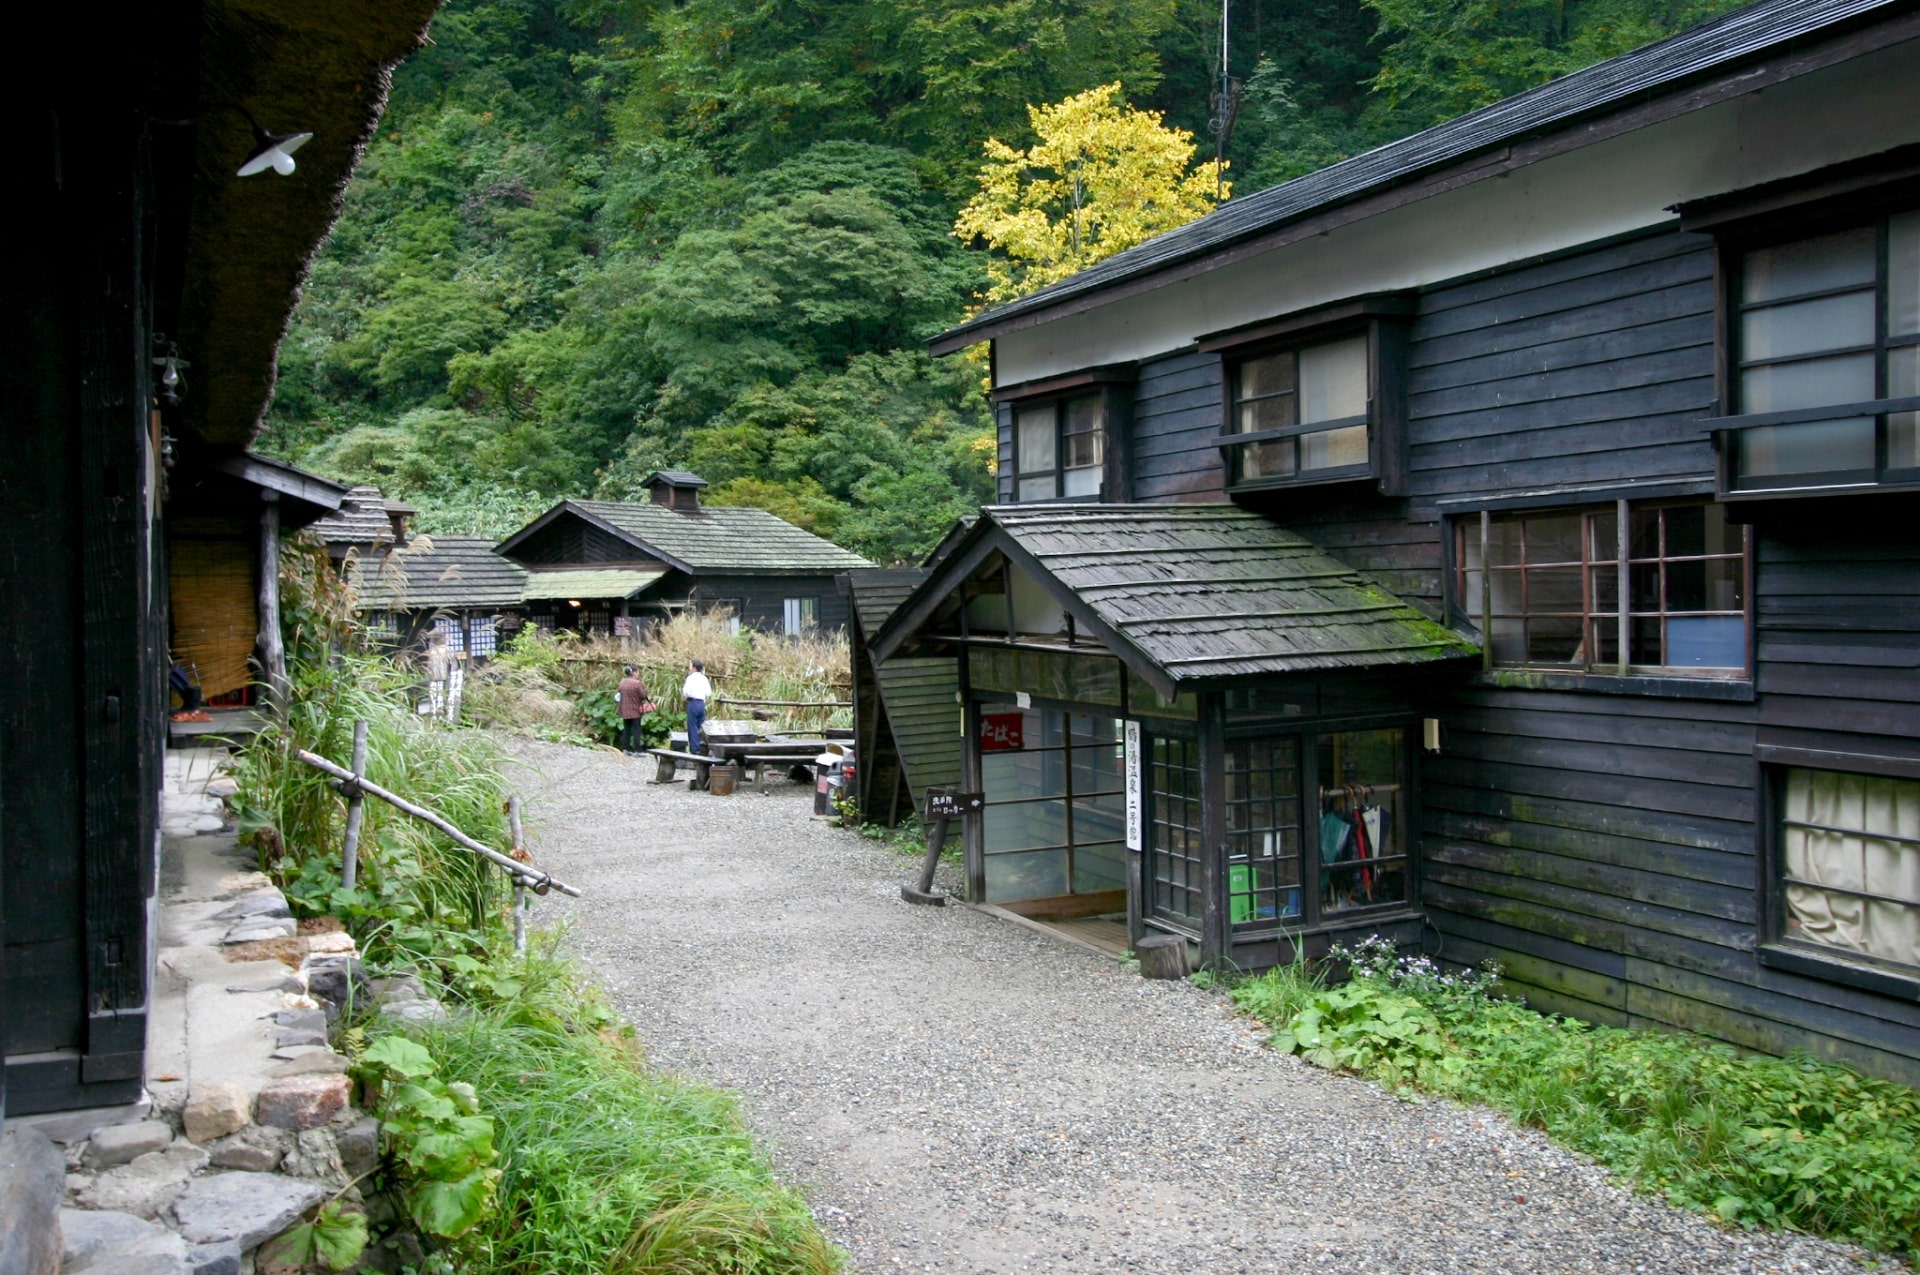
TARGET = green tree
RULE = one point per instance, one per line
(1102, 178)
(1447, 57)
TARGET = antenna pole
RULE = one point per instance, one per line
(1220, 114)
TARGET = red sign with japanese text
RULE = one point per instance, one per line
(1002, 732)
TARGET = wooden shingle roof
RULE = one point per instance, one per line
(361, 519)
(590, 582)
(439, 571)
(714, 538)
(1193, 592)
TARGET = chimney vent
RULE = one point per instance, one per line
(676, 489)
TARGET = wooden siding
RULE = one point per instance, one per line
(1603, 846)
(762, 599)
(1838, 634)
(1176, 430)
(575, 541)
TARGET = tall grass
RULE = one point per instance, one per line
(610, 1169)
(414, 882)
(811, 669)
(1754, 1139)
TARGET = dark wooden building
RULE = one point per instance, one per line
(145, 290)
(453, 585)
(594, 563)
(906, 713)
(1614, 386)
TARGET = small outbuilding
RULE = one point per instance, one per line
(607, 567)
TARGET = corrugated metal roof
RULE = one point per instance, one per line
(718, 538)
(439, 571)
(1712, 47)
(595, 582)
(1208, 591)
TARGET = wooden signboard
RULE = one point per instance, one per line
(951, 803)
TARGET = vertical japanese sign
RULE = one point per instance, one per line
(1134, 810)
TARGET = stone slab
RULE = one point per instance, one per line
(85, 1232)
(33, 1176)
(247, 1208)
(214, 1259)
(162, 1253)
(147, 1185)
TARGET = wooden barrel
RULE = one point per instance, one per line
(723, 779)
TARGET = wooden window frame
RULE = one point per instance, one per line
(1382, 320)
(1775, 950)
(1847, 196)
(799, 605)
(1113, 386)
(1620, 564)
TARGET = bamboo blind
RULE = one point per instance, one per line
(215, 624)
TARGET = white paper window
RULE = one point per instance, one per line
(1850, 849)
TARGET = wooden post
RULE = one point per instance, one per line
(273, 654)
(520, 898)
(923, 893)
(356, 808)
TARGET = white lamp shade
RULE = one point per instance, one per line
(274, 152)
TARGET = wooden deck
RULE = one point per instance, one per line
(236, 725)
(1107, 934)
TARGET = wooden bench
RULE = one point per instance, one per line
(669, 767)
(758, 756)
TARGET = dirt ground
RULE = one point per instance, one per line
(956, 1093)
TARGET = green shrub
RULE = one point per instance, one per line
(1790, 1142)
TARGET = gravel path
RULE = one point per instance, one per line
(956, 1093)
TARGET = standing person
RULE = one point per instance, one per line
(696, 693)
(633, 707)
(439, 664)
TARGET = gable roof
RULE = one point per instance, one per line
(1632, 79)
(1186, 593)
(705, 540)
(439, 571)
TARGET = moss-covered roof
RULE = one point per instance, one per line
(596, 582)
(1194, 592)
(705, 540)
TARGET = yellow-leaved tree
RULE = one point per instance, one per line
(1102, 178)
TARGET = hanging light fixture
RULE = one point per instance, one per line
(171, 365)
(272, 150)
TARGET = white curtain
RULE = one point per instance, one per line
(1866, 839)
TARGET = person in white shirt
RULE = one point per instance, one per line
(696, 693)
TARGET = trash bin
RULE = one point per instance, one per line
(829, 777)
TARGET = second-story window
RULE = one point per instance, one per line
(1317, 396)
(1059, 449)
(1545, 588)
(1826, 359)
(1305, 411)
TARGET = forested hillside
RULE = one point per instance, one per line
(598, 237)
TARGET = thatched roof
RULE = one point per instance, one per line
(319, 65)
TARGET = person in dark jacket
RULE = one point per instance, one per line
(633, 708)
